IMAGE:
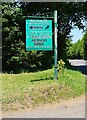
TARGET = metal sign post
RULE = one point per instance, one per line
(55, 46)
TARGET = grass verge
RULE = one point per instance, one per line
(26, 90)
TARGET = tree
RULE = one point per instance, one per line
(85, 45)
(68, 46)
(76, 51)
(69, 14)
(15, 57)
(13, 27)
(12, 45)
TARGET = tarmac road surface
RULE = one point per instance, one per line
(80, 65)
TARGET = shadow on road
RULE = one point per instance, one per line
(83, 69)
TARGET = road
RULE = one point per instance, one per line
(80, 65)
(72, 108)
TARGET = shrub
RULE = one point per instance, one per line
(61, 66)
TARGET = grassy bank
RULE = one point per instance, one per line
(26, 90)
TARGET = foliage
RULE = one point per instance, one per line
(68, 45)
(76, 50)
(61, 66)
(85, 45)
(15, 57)
(12, 45)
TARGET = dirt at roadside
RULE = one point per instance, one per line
(49, 106)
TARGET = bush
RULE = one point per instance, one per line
(61, 66)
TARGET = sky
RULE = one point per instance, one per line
(77, 34)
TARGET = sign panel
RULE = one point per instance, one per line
(38, 34)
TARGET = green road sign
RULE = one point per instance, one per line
(38, 34)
